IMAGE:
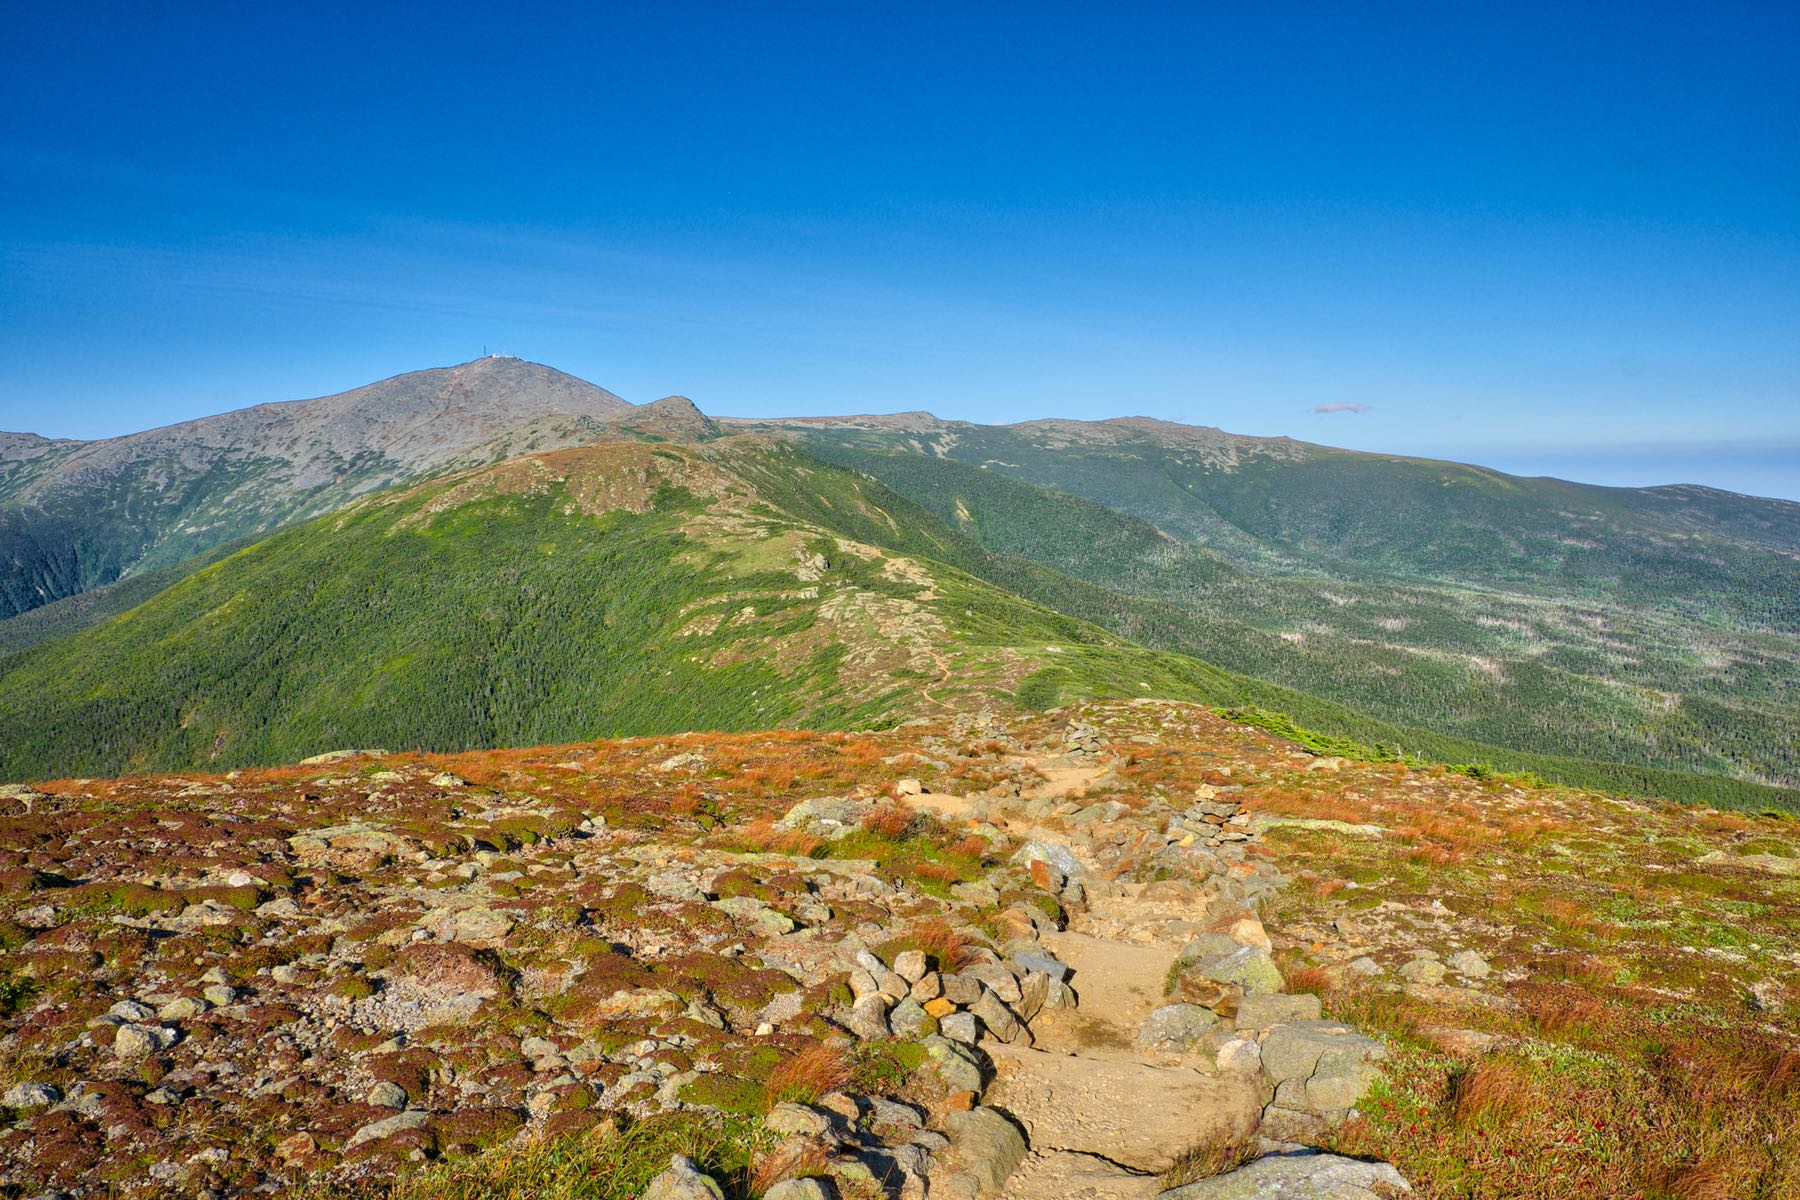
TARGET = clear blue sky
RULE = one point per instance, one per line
(1561, 238)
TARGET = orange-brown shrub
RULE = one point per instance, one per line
(892, 821)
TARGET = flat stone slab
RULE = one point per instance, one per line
(1301, 1175)
(1138, 1116)
(1065, 1175)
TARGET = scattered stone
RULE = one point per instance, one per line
(910, 965)
(960, 1027)
(1240, 1056)
(1426, 971)
(1470, 965)
(387, 1095)
(674, 885)
(798, 1189)
(1043, 964)
(998, 1019)
(1054, 853)
(135, 1041)
(955, 1063)
(909, 1019)
(869, 1017)
(31, 1095)
(797, 1120)
(387, 1127)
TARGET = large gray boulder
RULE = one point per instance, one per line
(986, 1145)
(1319, 1068)
(1302, 1175)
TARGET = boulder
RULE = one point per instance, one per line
(1320, 1067)
(1297, 1175)
(1267, 1009)
(1176, 1027)
(869, 1017)
(682, 1181)
(387, 1127)
(1249, 967)
(31, 1095)
(1470, 965)
(986, 1144)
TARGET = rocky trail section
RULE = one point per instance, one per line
(955, 960)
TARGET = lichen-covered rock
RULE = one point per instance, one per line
(683, 1181)
(1177, 1027)
(31, 1095)
(985, 1144)
(387, 1127)
(1320, 1068)
(1267, 1009)
(868, 1017)
(1249, 967)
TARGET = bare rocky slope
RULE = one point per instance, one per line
(74, 515)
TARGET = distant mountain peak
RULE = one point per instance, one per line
(85, 513)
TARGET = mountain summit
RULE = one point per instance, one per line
(75, 514)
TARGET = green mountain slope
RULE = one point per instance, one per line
(622, 588)
(1666, 637)
(625, 588)
(1494, 667)
(1267, 502)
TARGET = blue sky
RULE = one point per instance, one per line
(1559, 239)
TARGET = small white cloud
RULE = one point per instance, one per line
(1345, 406)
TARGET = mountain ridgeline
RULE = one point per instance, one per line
(557, 564)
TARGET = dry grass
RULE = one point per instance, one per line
(1494, 1091)
(942, 942)
(808, 1075)
(792, 1159)
(1214, 1156)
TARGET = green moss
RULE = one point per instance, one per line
(354, 988)
(727, 1093)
